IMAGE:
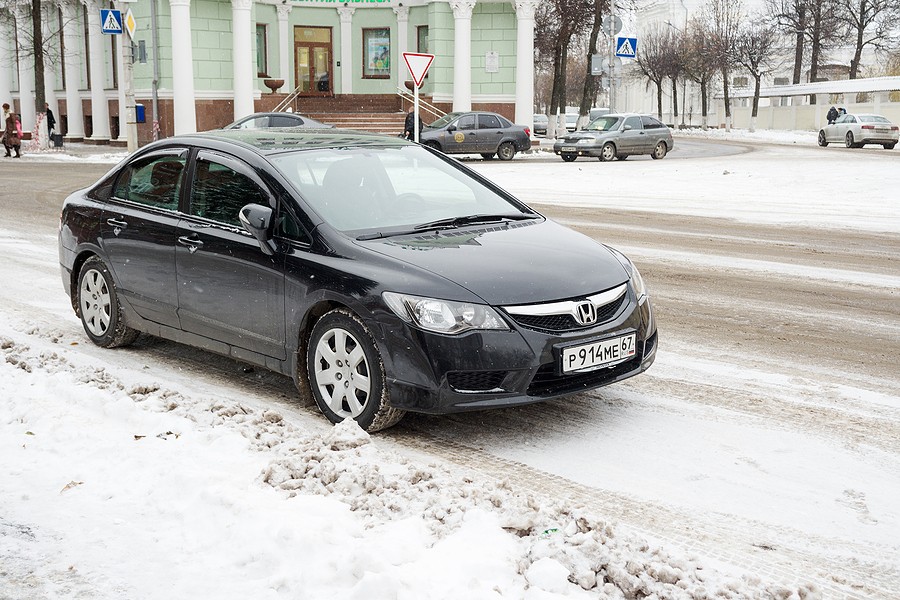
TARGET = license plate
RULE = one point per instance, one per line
(598, 354)
(568, 148)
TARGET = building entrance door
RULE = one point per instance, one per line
(312, 61)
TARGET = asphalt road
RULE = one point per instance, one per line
(811, 329)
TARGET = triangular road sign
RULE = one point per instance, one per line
(418, 65)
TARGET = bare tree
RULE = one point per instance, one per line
(700, 64)
(870, 23)
(792, 19)
(756, 50)
(823, 33)
(674, 65)
(652, 61)
(589, 91)
(723, 19)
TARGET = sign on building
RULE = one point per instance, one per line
(111, 21)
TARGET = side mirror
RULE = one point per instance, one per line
(256, 219)
(451, 128)
(627, 128)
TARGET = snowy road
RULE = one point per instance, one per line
(766, 436)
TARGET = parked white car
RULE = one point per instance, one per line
(858, 130)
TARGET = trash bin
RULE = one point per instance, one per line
(57, 139)
(139, 114)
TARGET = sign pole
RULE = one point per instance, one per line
(612, 56)
(416, 113)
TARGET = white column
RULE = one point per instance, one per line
(525, 10)
(185, 107)
(285, 43)
(346, 58)
(99, 105)
(402, 13)
(27, 114)
(242, 57)
(462, 54)
(7, 61)
(51, 60)
(72, 58)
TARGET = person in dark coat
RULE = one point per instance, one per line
(51, 120)
(832, 115)
(11, 137)
(409, 126)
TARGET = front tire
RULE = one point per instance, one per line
(488, 156)
(346, 372)
(822, 140)
(608, 152)
(889, 146)
(506, 151)
(569, 157)
(99, 308)
(660, 151)
(434, 145)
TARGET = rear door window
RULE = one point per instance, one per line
(153, 180)
(488, 122)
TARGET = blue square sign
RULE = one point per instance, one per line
(626, 47)
(111, 21)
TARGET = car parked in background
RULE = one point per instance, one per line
(571, 121)
(855, 131)
(540, 124)
(617, 136)
(382, 275)
(476, 132)
(277, 119)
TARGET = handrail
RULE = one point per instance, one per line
(288, 100)
(430, 108)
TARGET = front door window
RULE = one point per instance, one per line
(312, 49)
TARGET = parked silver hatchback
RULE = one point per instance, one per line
(617, 136)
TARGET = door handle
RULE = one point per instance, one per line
(192, 242)
(116, 223)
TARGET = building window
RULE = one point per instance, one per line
(262, 52)
(422, 39)
(376, 53)
(740, 82)
(782, 81)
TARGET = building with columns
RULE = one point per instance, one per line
(215, 57)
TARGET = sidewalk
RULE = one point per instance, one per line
(73, 152)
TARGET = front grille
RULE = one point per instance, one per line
(566, 322)
(546, 382)
(475, 381)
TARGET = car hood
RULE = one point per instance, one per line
(509, 263)
(580, 135)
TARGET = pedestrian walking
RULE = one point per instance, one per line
(409, 126)
(12, 133)
(51, 120)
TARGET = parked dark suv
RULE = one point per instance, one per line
(382, 275)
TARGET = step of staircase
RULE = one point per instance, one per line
(387, 123)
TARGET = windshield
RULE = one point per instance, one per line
(388, 189)
(604, 124)
(444, 120)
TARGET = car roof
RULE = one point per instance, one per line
(282, 139)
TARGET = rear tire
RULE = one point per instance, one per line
(660, 151)
(346, 372)
(569, 157)
(608, 152)
(99, 308)
(488, 156)
(849, 142)
(889, 146)
(506, 151)
(822, 141)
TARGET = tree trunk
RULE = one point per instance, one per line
(798, 57)
(755, 110)
(558, 74)
(39, 131)
(704, 104)
(590, 81)
(857, 54)
(674, 100)
(727, 99)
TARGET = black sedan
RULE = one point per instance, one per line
(483, 133)
(277, 119)
(383, 276)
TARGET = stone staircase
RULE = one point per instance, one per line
(377, 113)
(374, 122)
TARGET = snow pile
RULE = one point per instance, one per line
(115, 486)
(765, 136)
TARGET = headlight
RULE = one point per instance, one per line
(637, 281)
(586, 141)
(443, 316)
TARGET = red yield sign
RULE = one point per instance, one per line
(418, 65)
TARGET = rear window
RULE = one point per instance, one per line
(872, 119)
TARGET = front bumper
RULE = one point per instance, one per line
(577, 149)
(433, 373)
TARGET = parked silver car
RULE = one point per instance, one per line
(277, 119)
(617, 136)
(483, 133)
(855, 131)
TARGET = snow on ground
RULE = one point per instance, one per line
(122, 481)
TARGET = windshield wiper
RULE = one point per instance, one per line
(470, 219)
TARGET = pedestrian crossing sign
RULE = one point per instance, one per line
(111, 21)
(626, 47)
